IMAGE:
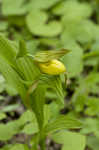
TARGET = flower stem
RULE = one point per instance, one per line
(42, 140)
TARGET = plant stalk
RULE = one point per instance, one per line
(42, 140)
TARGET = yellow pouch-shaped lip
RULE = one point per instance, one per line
(53, 67)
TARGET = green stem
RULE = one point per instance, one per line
(41, 133)
(42, 144)
(42, 138)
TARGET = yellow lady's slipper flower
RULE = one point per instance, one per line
(53, 67)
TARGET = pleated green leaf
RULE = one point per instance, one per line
(37, 101)
(12, 77)
(28, 70)
(54, 82)
(62, 122)
(7, 50)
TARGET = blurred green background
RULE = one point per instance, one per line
(53, 25)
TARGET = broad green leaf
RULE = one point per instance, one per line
(10, 7)
(30, 128)
(7, 50)
(73, 10)
(42, 4)
(93, 142)
(27, 116)
(27, 69)
(12, 77)
(26, 66)
(85, 32)
(37, 101)
(73, 60)
(77, 27)
(57, 86)
(70, 140)
(51, 111)
(36, 22)
(19, 147)
(7, 131)
(91, 125)
(22, 125)
(22, 49)
(10, 90)
(62, 122)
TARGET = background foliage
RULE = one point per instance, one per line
(45, 25)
